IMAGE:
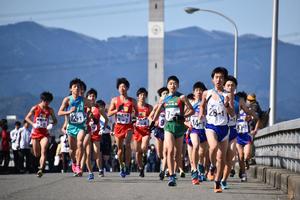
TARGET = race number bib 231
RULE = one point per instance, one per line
(77, 118)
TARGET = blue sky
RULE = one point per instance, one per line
(102, 19)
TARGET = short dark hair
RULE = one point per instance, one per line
(173, 78)
(124, 81)
(232, 79)
(218, 70)
(91, 91)
(161, 90)
(46, 96)
(17, 123)
(101, 103)
(75, 81)
(242, 95)
(190, 96)
(200, 85)
(141, 90)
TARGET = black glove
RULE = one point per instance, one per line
(178, 117)
(133, 120)
(152, 127)
(121, 107)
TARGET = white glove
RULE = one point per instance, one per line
(49, 127)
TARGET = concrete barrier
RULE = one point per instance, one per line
(285, 180)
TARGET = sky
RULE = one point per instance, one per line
(102, 19)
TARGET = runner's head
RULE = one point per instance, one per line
(218, 75)
(122, 85)
(101, 104)
(75, 86)
(242, 95)
(142, 94)
(46, 98)
(198, 89)
(162, 92)
(230, 84)
(172, 84)
(91, 94)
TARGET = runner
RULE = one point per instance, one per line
(197, 135)
(141, 130)
(123, 107)
(245, 136)
(174, 105)
(42, 113)
(73, 107)
(159, 132)
(218, 105)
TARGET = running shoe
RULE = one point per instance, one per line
(217, 187)
(182, 174)
(224, 185)
(101, 173)
(211, 173)
(74, 168)
(244, 177)
(78, 171)
(142, 173)
(232, 173)
(127, 170)
(202, 177)
(195, 179)
(91, 176)
(39, 173)
(167, 174)
(172, 181)
(161, 175)
(123, 172)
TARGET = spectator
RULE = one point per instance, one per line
(51, 153)
(23, 141)
(14, 135)
(152, 159)
(64, 152)
(4, 150)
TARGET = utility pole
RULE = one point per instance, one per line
(273, 74)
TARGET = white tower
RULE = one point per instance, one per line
(155, 49)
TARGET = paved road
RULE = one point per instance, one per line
(65, 186)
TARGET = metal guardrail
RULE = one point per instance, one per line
(279, 145)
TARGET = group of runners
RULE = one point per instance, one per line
(213, 123)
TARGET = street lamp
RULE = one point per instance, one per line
(191, 10)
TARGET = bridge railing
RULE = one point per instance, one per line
(279, 145)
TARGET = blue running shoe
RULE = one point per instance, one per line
(127, 171)
(202, 177)
(91, 176)
(172, 181)
(123, 172)
(224, 185)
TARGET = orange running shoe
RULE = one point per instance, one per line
(211, 176)
(217, 188)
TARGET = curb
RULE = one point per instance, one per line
(282, 179)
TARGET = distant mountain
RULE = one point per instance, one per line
(34, 58)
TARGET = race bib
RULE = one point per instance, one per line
(171, 112)
(77, 118)
(242, 127)
(142, 122)
(196, 122)
(123, 118)
(41, 122)
(161, 120)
